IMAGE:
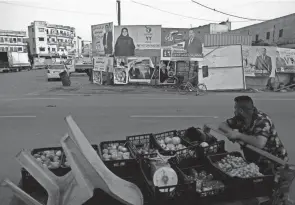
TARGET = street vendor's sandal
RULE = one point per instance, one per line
(88, 163)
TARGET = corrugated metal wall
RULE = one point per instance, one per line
(226, 39)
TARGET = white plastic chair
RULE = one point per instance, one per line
(80, 151)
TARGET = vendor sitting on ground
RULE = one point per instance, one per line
(254, 127)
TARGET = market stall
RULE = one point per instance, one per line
(171, 167)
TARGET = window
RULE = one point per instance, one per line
(19, 40)
(14, 40)
(42, 49)
(267, 35)
(281, 32)
(41, 39)
(62, 50)
(33, 30)
(20, 49)
(48, 49)
(6, 49)
(10, 40)
(47, 31)
(53, 49)
(11, 49)
(53, 39)
(1, 39)
(15, 49)
(41, 29)
(257, 37)
(1, 49)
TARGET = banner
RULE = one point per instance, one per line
(175, 54)
(129, 38)
(120, 75)
(97, 77)
(104, 64)
(259, 61)
(174, 37)
(167, 71)
(139, 69)
(102, 39)
(285, 60)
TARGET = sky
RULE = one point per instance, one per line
(81, 14)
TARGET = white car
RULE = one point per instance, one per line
(53, 71)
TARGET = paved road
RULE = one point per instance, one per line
(39, 119)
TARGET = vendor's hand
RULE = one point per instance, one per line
(233, 135)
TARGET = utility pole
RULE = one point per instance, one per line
(119, 11)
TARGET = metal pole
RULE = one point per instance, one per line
(119, 12)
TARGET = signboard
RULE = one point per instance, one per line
(104, 64)
(179, 55)
(129, 38)
(120, 75)
(97, 77)
(259, 61)
(167, 71)
(285, 60)
(139, 69)
(102, 39)
(174, 37)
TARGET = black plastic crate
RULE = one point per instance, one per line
(173, 133)
(120, 167)
(161, 195)
(215, 146)
(239, 188)
(29, 182)
(142, 146)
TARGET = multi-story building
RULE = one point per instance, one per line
(13, 41)
(279, 31)
(48, 38)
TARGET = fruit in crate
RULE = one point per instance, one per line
(204, 180)
(146, 150)
(238, 167)
(115, 151)
(49, 158)
(171, 143)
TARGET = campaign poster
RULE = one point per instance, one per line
(259, 61)
(97, 77)
(102, 39)
(167, 71)
(103, 64)
(140, 69)
(131, 37)
(174, 37)
(120, 75)
(285, 60)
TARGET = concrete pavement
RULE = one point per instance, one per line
(32, 121)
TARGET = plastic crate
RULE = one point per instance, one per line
(215, 146)
(161, 195)
(122, 167)
(137, 142)
(240, 188)
(172, 133)
(29, 183)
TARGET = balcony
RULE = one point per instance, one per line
(52, 43)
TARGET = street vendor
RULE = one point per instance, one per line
(254, 127)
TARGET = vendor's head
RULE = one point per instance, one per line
(244, 107)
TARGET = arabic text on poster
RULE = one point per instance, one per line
(102, 39)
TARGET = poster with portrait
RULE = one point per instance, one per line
(103, 64)
(167, 71)
(97, 77)
(259, 61)
(285, 60)
(102, 39)
(174, 37)
(130, 37)
(140, 69)
(120, 75)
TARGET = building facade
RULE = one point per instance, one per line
(279, 32)
(12, 41)
(48, 38)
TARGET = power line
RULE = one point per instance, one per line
(189, 17)
(250, 19)
(52, 9)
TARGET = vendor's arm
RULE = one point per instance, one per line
(229, 125)
(261, 133)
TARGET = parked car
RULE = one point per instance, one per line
(54, 70)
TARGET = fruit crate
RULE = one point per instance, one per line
(121, 167)
(238, 187)
(215, 146)
(29, 182)
(142, 146)
(182, 146)
(168, 194)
